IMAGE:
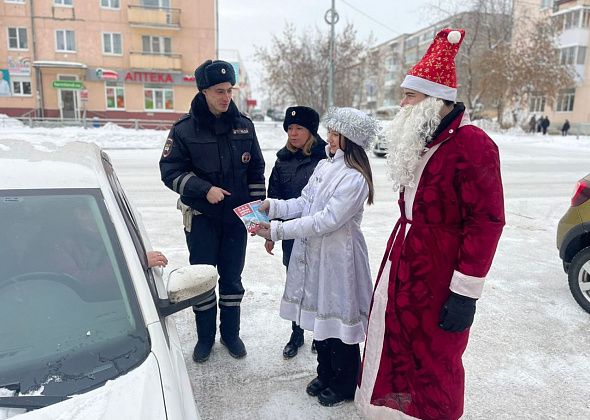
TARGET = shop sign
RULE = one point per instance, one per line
(148, 77)
(67, 84)
(19, 66)
(138, 76)
(106, 74)
(84, 95)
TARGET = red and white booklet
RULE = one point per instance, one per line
(251, 216)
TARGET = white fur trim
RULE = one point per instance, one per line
(380, 412)
(429, 88)
(465, 285)
(410, 192)
(375, 337)
(454, 37)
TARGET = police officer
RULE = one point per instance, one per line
(213, 160)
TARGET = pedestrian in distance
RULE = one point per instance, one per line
(565, 128)
(532, 124)
(447, 172)
(295, 164)
(212, 159)
(545, 123)
(328, 287)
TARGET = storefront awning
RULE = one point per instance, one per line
(59, 64)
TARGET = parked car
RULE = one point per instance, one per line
(275, 114)
(84, 323)
(380, 144)
(257, 115)
(573, 243)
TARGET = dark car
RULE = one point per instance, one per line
(257, 115)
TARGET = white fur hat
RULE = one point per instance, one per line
(355, 125)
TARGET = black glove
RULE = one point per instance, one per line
(457, 313)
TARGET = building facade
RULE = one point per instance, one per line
(572, 19)
(402, 52)
(105, 58)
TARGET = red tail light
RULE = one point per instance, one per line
(581, 193)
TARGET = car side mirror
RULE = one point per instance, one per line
(190, 282)
(187, 285)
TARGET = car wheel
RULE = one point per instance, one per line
(579, 278)
(379, 154)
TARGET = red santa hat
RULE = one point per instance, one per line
(435, 75)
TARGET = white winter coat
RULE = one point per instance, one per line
(328, 289)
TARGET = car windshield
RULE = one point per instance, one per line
(69, 317)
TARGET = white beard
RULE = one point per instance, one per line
(407, 135)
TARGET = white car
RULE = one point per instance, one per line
(85, 330)
(380, 146)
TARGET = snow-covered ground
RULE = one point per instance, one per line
(527, 356)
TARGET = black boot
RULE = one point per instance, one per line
(345, 363)
(206, 325)
(294, 343)
(229, 328)
(315, 387)
(330, 398)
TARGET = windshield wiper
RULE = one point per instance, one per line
(30, 402)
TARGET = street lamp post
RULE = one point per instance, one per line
(331, 17)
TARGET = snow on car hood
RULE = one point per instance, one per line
(135, 395)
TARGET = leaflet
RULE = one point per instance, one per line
(251, 216)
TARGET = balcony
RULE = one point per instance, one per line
(153, 17)
(144, 60)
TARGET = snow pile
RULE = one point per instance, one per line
(8, 122)
(111, 127)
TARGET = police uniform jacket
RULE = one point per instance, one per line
(204, 151)
(290, 174)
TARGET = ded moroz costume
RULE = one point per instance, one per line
(438, 255)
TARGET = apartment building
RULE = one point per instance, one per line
(572, 18)
(402, 52)
(105, 58)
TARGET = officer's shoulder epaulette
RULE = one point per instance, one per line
(245, 116)
(183, 118)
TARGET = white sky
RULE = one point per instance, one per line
(244, 24)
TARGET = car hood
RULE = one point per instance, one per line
(135, 395)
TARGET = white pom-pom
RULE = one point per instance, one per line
(454, 37)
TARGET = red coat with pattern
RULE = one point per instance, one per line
(411, 365)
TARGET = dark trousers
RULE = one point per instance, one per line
(223, 245)
(338, 365)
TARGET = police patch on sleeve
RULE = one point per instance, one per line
(167, 147)
(246, 157)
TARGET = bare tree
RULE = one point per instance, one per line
(497, 68)
(296, 67)
(512, 72)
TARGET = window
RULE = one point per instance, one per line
(546, 4)
(567, 55)
(581, 55)
(156, 44)
(565, 100)
(537, 103)
(17, 39)
(63, 2)
(572, 55)
(586, 18)
(14, 1)
(571, 19)
(115, 93)
(21, 86)
(158, 98)
(111, 43)
(110, 4)
(65, 40)
(156, 3)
